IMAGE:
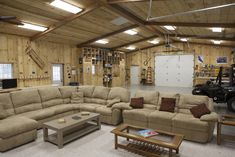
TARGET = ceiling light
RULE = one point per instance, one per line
(130, 48)
(171, 28)
(155, 41)
(184, 39)
(66, 6)
(217, 42)
(33, 27)
(102, 41)
(216, 29)
(131, 32)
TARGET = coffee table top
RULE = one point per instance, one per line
(163, 139)
(69, 121)
(227, 119)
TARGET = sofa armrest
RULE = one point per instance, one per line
(212, 117)
(122, 106)
(211, 105)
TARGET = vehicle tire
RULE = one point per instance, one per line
(231, 104)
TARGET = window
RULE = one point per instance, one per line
(93, 69)
(56, 73)
(6, 71)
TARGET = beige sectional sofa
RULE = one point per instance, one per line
(181, 121)
(23, 112)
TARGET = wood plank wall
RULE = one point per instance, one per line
(210, 54)
(12, 50)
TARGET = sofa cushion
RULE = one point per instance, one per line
(119, 92)
(137, 114)
(17, 126)
(101, 92)
(77, 97)
(150, 97)
(188, 122)
(39, 114)
(98, 101)
(168, 104)
(104, 110)
(137, 102)
(200, 110)
(110, 103)
(62, 108)
(91, 107)
(26, 100)
(50, 96)
(161, 117)
(66, 92)
(87, 90)
(188, 101)
(6, 106)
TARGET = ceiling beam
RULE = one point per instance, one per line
(134, 42)
(107, 35)
(192, 24)
(230, 46)
(148, 47)
(203, 37)
(132, 18)
(66, 20)
(127, 1)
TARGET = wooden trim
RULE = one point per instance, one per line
(131, 17)
(66, 20)
(202, 37)
(192, 24)
(134, 42)
(107, 35)
(127, 1)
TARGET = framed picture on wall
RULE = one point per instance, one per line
(222, 60)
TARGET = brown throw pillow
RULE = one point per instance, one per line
(137, 102)
(168, 105)
(200, 110)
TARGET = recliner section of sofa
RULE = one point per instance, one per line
(181, 121)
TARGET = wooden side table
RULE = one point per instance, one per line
(224, 119)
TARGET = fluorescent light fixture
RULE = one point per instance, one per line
(217, 42)
(66, 6)
(171, 28)
(216, 29)
(131, 32)
(184, 39)
(33, 27)
(102, 41)
(155, 41)
(130, 48)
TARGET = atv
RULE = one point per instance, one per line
(220, 92)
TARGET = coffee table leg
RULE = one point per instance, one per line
(60, 140)
(177, 151)
(99, 122)
(218, 133)
(170, 152)
(45, 134)
(116, 142)
(127, 130)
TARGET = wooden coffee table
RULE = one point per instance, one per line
(152, 146)
(72, 129)
(224, 120)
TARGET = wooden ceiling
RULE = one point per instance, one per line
(95, 22)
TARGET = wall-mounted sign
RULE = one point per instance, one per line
(200, 59)
(222, 60)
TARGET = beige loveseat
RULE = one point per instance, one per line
(23, 112)
(181, 121)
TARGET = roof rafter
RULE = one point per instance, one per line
(127, 1)
(192, 24)
(148, 47)
(66, 20)
(203, 37)
(107, 35)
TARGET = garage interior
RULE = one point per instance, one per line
(176, 46)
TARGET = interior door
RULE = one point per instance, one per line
(57, 74)
(134, 75)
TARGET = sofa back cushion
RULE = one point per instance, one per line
(187, 101)
(77, 97)
(168, 95)
(95, 101)
(150, 97)
(66, 92)
(26, 100)
(87, 90)
(6, 106)
(101, 92)
(118, 92)
(50, 96)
